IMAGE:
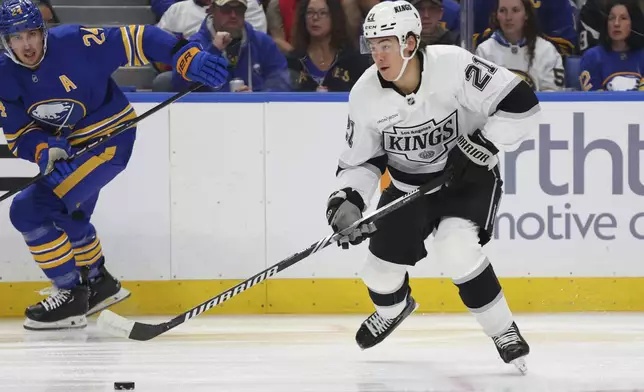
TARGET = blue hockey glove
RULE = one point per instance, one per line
(194, 64)
(55, 149)
(470, 158)
(52, 160)
(62, 170)
(343, 209)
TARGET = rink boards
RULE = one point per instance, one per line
(221, 186)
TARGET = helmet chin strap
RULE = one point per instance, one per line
(403, 45)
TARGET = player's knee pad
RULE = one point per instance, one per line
(457, 248)
(23, 214)
(456, 245)
(388, 283)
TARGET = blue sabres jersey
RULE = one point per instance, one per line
(556, 21)
(612, 71)
(451, 15)
(71, 93)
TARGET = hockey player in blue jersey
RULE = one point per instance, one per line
(56, 96)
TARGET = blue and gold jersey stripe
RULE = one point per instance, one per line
(83, 171)
(101, 128)
(12, 138)
(132, 36)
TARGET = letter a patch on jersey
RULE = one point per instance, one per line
(67, 83)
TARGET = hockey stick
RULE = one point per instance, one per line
(120, 326)
(115, 132)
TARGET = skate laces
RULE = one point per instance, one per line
(56, 299)
(508, 338)
(378, 324)
(51, 290)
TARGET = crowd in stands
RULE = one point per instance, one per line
(314, 45)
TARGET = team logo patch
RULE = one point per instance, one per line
(58, 112)
(426, 143)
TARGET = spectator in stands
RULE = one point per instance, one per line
(516, 45)
(556, 22)
(281, 19)
(591, 20)
(451, 19)
(324, 58)
(617, 63)
(47, 11)
(252, 55)
(185, 16)
(159, 7)
(434, 32)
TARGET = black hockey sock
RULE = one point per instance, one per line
(481, 290)
(391, 299)
(482, 294)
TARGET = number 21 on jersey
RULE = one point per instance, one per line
(479, 73)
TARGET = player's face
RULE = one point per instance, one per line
(430, 15)
(386, 54)
(511, 16)
(619, 23)
(318, 19)
(28, 46)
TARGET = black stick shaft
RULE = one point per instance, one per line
(142, 331)
(115, 132)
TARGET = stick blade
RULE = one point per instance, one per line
(114, 324)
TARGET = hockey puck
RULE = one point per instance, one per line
(124, 386)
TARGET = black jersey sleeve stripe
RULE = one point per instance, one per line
(521, 100)
(377, 165)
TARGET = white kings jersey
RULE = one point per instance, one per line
(411, 135)
(546, 72)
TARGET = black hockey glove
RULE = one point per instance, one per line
(343, 209)
(472, 156)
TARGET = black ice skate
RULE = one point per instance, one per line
(512, 347)
(105, 291)
(62, 309)
(376, 328)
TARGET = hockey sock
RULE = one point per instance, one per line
(89, 252)
(391, 304)
(481, 292)
(52, 250)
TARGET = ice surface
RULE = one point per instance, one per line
(570, 352)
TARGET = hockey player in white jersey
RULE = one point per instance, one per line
(420, 112)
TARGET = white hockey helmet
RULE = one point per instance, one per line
(397, 19)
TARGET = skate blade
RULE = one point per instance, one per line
(521, 365)
(121, 295)
(73, 322)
